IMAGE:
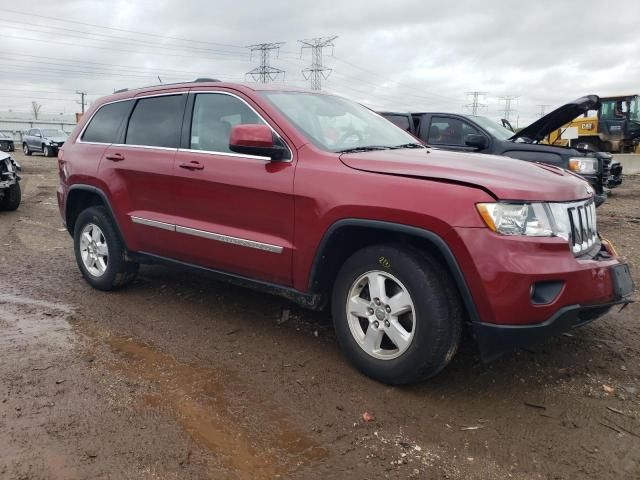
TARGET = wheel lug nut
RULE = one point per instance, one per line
(388, 309)
(386, 323)
(376, 324)
(376, 301)
(370, 311)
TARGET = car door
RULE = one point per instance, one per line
(32, 140)
(139, 172)
(448, 132)
(234, 212)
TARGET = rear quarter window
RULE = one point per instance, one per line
(106, 123)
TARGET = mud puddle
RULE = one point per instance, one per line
(247, 437)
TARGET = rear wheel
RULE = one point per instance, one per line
(47, 151)
(100, 253)
(397, 313)
(12, 198)
(27, 151)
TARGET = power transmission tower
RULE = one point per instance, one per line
(475, 104)
(265, 73)
(543, 109)
(507, 106)
(82, 99)
(317, 71)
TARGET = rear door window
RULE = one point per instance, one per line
(106, 123)
(156, 121)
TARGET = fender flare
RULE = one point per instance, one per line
(428, 235)
(102, 195)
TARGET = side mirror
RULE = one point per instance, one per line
(255, 140)
(38, 135)
(477, 141)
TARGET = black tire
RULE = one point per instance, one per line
(438, 313)
(12, 198)
(46, 150)
(27, 151)
(119, 271)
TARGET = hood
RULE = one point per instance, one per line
(3, 156)
(557, 118)
(505, 178)
(56, 139)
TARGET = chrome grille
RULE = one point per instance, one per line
(584, 232)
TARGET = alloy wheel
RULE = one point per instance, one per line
(381, 315)
(94, 250)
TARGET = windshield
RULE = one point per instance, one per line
(4, 135)
(335, 124)
(494, 128)
(53, 133)
(635, 109)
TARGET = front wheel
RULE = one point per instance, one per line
(100, 253)
(12, 198)
(397, 313)
(47, 151)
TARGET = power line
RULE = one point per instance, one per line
(475, 104)
(317, 71)
(58, 19)
(265, 73)
(507, 105)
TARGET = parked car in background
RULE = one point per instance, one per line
(473, 133)
(10, 193)
(6, 143)
(318, 199)
(43, 140)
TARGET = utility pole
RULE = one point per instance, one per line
(543, 109)
(82, 99)
(265, 73)
(475, 104)
(507, 105)
(317, 71)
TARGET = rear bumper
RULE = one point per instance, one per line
(494, 340)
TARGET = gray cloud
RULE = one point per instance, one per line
(410, 54)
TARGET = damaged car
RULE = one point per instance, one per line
(10, 193)
(6, 143)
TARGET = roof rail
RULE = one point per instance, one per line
(121, 90)
(206, 80)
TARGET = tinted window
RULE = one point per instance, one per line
(214, 115)
(449, 131)
(401, 121)
(156, 122)
(105, 124)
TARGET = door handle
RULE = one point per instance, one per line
(115, 157)
(192, 165)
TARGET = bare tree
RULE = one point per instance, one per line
(35, 106)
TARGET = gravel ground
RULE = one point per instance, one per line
(179, 376)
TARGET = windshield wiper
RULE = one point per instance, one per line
(367, 148)
(409, 145)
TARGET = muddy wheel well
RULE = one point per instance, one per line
(77, 201)
(345, 241)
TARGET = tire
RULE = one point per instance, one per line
(110, 271)
(47, 151)
(434, 323)
(12, 197)
(27, 151)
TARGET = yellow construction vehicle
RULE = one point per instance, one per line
(614, 127)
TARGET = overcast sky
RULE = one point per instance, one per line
(399, 55)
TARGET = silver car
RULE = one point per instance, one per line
(44, 140)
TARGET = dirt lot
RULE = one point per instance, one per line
(179, 376)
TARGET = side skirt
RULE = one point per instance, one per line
(307, 300)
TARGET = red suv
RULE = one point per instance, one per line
(318, 199)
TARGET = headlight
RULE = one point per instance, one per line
(583, 165)
(530, 219)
